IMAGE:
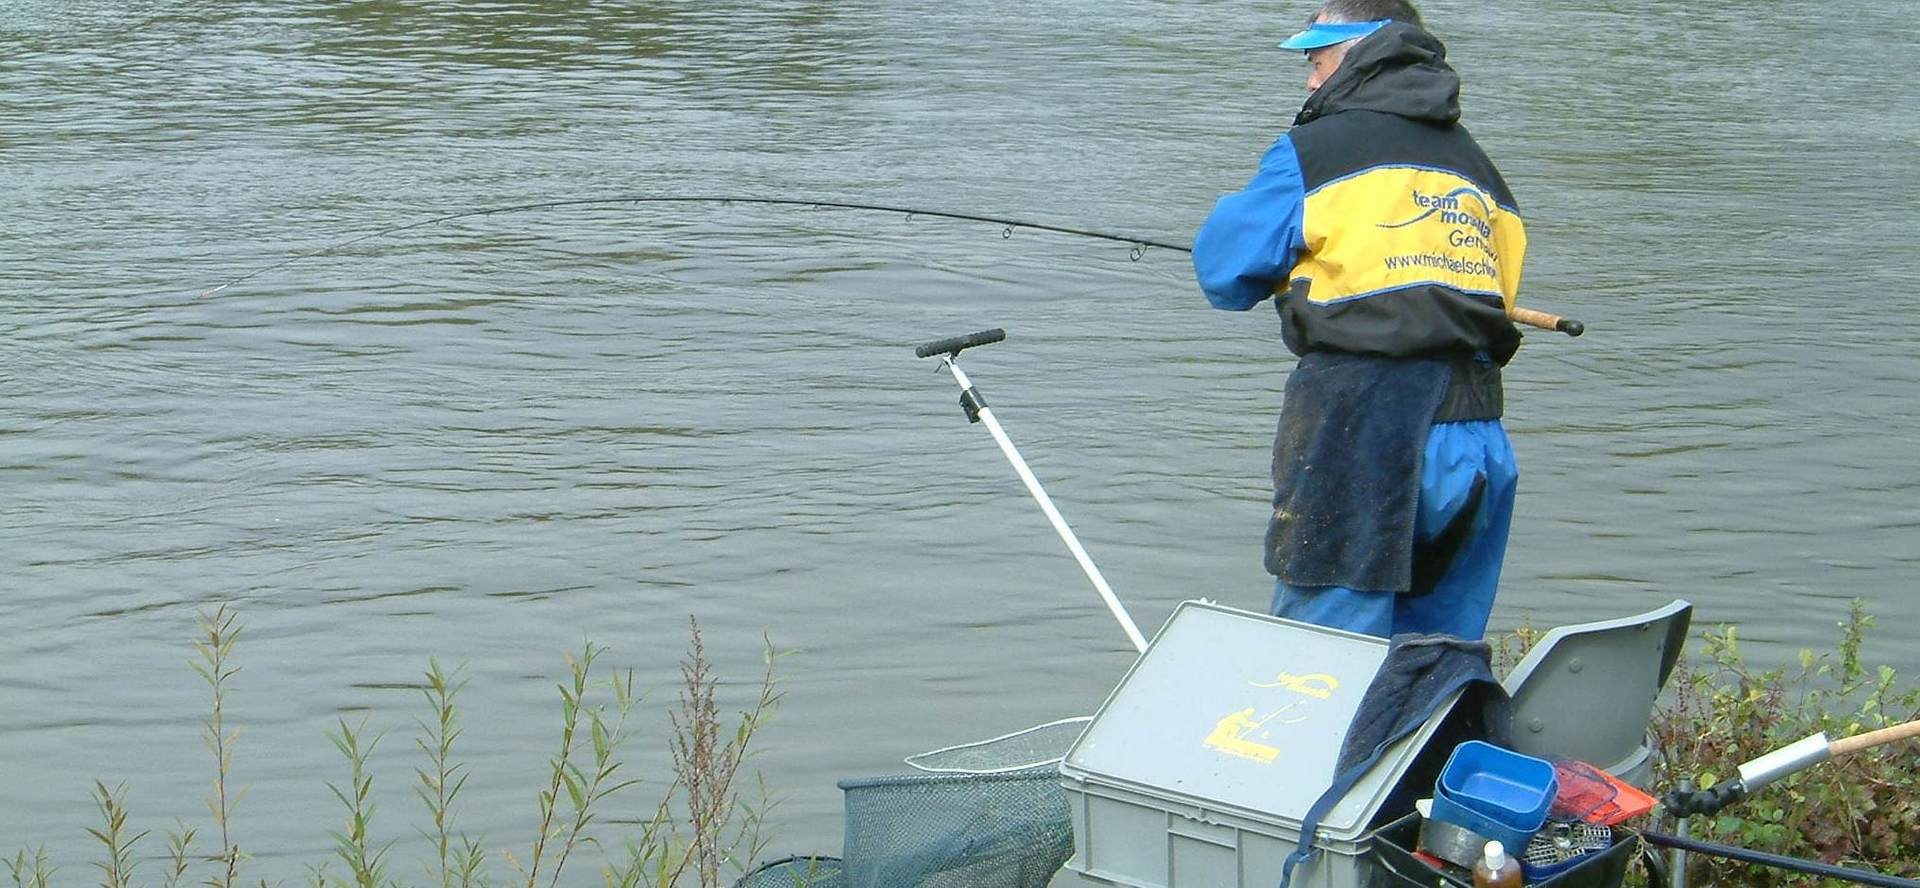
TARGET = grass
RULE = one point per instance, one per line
(702, 828)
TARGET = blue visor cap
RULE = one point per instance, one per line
(1321, 34)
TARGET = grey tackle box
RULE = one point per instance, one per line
(1196, 771)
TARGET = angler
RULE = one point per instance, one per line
(1393, 477)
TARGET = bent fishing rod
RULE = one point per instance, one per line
(1138, 245)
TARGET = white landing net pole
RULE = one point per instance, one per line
(978, 408)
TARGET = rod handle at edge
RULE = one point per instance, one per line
(1546, 321)
(1874, 738)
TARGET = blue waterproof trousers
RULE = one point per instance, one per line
(1457, 453)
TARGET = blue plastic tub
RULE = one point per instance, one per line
(1495, 792)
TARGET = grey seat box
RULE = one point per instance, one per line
(1197, 769)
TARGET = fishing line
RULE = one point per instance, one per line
(1138, 245)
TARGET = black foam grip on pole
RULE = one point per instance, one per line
(954, 345)
(1685, 801)
(1571, 327)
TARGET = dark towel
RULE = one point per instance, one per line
(1346, 469)
(1419, 673)
(1420, 670)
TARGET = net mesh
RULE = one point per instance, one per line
(989, 814)
(1007, 830)
(796, 872)
(1034, 747)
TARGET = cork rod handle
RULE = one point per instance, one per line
(1874, 738)
(1546, 321)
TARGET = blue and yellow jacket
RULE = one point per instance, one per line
(1377, 221)
(1393, 249)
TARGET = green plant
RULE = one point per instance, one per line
(117, 872)
(706, 767)
(353, 845)
(31, 872)
(442, 781)
(583, 791)
(1508, 649)
(1861, 809)
(723, 830)
(219, 634)
(720, 829)
(179, 851)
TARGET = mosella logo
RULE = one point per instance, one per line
(1451, 209)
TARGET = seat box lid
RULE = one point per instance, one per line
(1242, 711)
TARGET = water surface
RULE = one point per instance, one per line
(489, 439)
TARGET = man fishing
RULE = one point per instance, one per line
(1392, 249)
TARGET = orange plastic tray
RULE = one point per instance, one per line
(1595, 796)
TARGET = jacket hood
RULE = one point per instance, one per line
(1399, 69)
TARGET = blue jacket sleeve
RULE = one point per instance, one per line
(1251, 240)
